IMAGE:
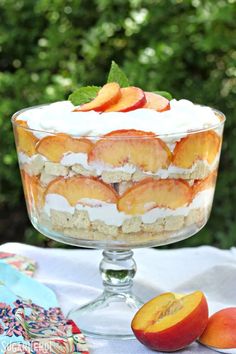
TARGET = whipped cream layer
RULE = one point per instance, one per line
(58, 117)
(110, 215)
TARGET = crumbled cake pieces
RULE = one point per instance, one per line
(79, 221)
(38, 165)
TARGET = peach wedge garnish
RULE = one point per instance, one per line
(56, 146)
(169, 323)
(131, 98)
(75, 189)
(220, 332)
(196, 146)
(107, 96)
(134, 147)
(25, 139)
(151, 193)
(156, 102)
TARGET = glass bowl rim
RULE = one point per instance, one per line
(222, 119)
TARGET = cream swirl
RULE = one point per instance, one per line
(183, 116)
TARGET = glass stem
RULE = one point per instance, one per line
(117, 269)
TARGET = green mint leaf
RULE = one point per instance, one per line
(164, 94)
(117, 75)
(83, 95)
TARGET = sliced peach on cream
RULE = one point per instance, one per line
(156, 102)
(56, 146)
(220, 331)
(107, 96)
(196, 146)
(167, 323)
(151, 193)
(33, 190)
(131, 98)
(75, 189)
(134, 147)
(206, 183)
(25, 139)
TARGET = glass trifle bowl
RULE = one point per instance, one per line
(117, 181)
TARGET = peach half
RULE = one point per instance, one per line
(220, 331)
(169, 322)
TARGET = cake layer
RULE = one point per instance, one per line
(39, 165)
(133, 231)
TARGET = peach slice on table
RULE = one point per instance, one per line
(220, 331)
(107, 96)
(169, 323)
(77, 188)
(54, 147)
(33, 190)
(131, 98)
(25, 140)
(196, 146)
(151, 193)
(206, 183)
(135, 147)
(156, 102)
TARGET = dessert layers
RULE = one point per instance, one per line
(153, 208)
(132, 185)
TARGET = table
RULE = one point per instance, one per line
(74, 276)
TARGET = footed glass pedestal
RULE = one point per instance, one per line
(110, 315)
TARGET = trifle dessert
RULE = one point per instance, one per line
(125, 168)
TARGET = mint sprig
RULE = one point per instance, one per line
(83, 95)
(117, 75)
(164, 94)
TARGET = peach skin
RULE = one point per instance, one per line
(220, 332)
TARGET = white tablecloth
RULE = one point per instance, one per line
(74, 276)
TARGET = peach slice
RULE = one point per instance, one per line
(208, 182)
(156, 102)
(76, 188)
(136, 147)
(107, 96)
(151, 193)
(131, 98)
(220, 331)
(167, 323)
(55, 146)
(196, 146)
(25, 140)
(33, 190)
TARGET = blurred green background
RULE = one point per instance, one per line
(50, 47)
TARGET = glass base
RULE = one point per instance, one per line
(108, 317)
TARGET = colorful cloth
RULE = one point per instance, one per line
(23, 264)
(31, 321)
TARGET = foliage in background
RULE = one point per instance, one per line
(50, 47)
